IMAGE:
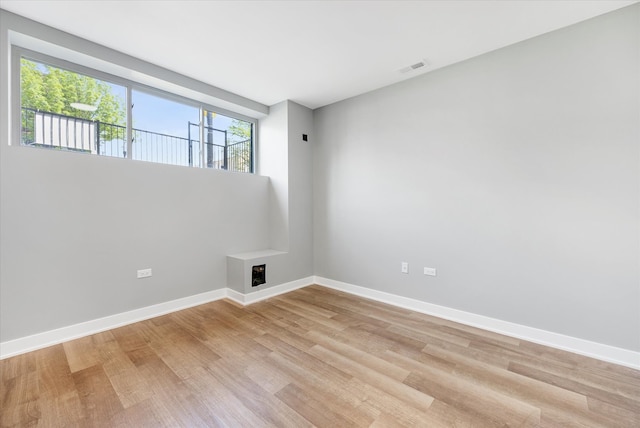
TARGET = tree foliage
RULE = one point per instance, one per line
(50, 89)
(240, 137)
(240, 130)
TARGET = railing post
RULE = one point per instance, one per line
(251, 146)
(98, 137)
(234, 157)
(209, 139)
(226, 151)
(190, 145)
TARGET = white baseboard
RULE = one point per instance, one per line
(53, 337)
(600, 351)
(64, 334)
(247, 299)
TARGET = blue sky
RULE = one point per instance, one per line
(161, 115)
(157, 114)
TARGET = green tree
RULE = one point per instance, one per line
(32, 86)
(53, 90)
(240, 130)
(240, 143)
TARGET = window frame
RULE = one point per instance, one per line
(18, 52)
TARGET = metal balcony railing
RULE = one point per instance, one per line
(61, 132)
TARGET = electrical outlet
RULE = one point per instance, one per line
(144, 273)
(430, 271)
(404, 268)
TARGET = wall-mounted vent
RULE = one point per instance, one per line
(415, 66)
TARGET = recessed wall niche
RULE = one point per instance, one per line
(258, 275)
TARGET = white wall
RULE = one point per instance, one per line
(516, 174)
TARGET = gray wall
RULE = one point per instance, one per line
(75, 228)
(516, 174)
(287, 161)
(273, 162)
(300, 191)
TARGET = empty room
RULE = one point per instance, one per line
(319, 213)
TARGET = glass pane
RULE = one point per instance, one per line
(64, 110)
(165, 131)
(228, 143)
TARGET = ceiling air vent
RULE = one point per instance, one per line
(415, 66)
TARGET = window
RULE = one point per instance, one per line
(164, 131)
(227, 142)
(76, 109)
(64, 110)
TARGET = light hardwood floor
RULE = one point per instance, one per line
(312, 357)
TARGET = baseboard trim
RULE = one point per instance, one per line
(600, 351)
(587, 348)
(256, 296)
(53, 337)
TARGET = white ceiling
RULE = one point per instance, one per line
(311, 52)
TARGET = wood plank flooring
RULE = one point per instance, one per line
(312, 357)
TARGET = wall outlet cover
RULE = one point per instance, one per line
(404, 267)
(430, 271)
(144, 273)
